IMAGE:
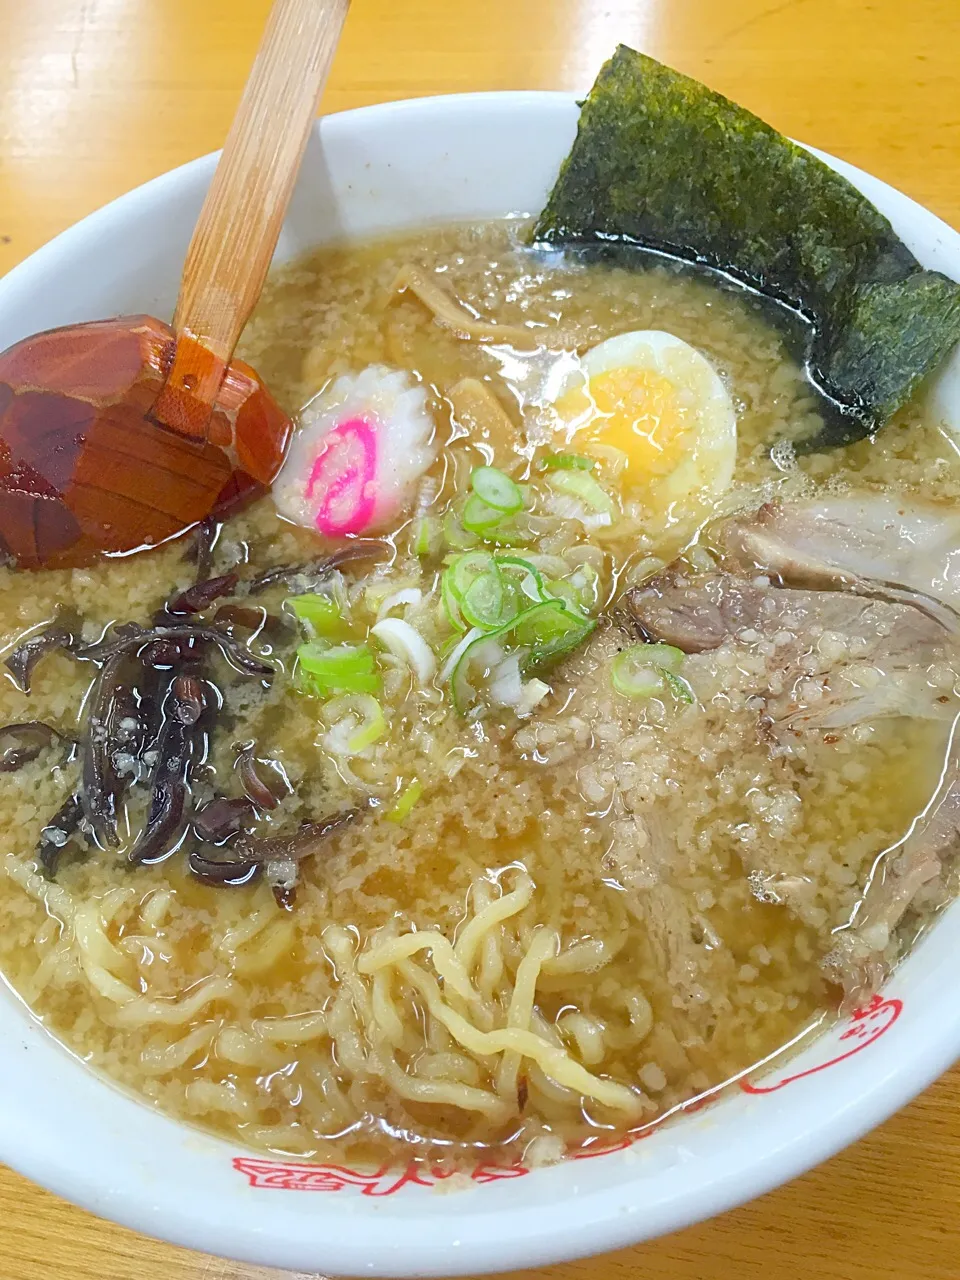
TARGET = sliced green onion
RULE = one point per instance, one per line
(550, 630)
(342, 668)
(462, 571)
(406, 643)
(476, 591)
(451, 605)
(358, 722)
(448, 647)
(586, 581)
(479, 517)
(321, 612)
(505, 688)
(495, 488)
(665, 657)
(485, 603)
(509, 533)
(528, 577)
(376, 592)
(633, 678)
(567, 462)
(534, 692)
(639, 672)
(426, 536)
(406, 800)
(578, 484)
(455, 581)
(399, 600)
(541, 633)
(483, 652)
(454, 534)
(371, 728)
(679, 687)
(559, 589)
(491, 591)
(454, 652)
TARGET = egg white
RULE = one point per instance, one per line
(705, 413)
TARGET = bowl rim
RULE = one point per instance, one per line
(582, 1224)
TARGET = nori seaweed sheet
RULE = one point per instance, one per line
(663, 162)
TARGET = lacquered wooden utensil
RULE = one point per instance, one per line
(120, 434)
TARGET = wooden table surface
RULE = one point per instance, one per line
(99, 95)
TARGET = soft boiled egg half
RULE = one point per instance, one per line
(661, 406)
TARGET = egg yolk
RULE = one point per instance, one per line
(637, 411)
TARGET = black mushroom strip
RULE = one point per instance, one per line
(127, 639)
(256, 622)
(150, 712)
(58, 832)
(21, 743)
(201, 552)
(277, 857)
(223, 870)
(162, 662)
(302, 578)
(232, 618)
(216, 824)
(202, 595)
(62, 633)
(178, 747)
(280, 856)
(254, 788)
(110, 740)
(223, 817)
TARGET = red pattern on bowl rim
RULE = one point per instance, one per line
(866, 1026)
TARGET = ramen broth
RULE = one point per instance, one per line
(538, 927)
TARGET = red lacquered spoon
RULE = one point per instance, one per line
(120, 434)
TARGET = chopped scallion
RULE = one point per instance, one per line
(527, 576)
(405, 642)
(495, 488)
(486, 604)
(567, 462)
(581, 485)
(551, 630)
(665, 657)
(407, 799)
(560, 589)
(679, 687)
(540, 634)
(356, 722)
(489, 591)
(454, 534)
(479, 517)
(342, 668)
(479, 658)
(633, 678)
(321, 612)
(640, 671)
(462, 571)
(426, 536)
(451, 605)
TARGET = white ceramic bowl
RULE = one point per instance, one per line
(403, 165)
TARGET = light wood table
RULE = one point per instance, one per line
(99, 95)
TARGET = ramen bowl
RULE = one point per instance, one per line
(375, 170)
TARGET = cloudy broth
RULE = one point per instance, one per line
(501, 952)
